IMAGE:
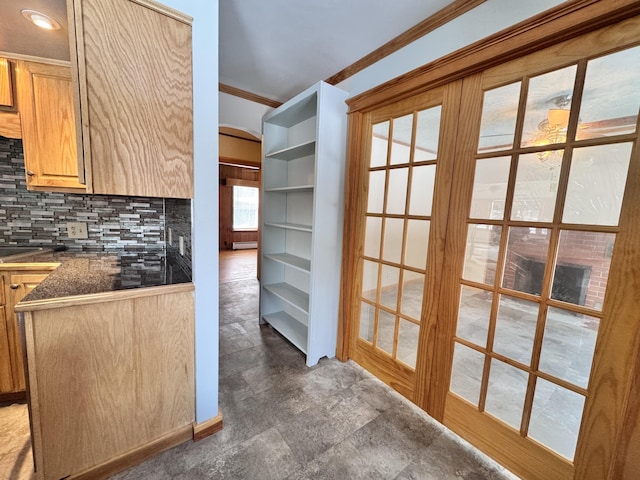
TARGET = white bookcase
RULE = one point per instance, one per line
(303, 165)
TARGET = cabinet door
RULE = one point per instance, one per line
(6, 90)
(45, 103)
(20, 284)
(135, 89)
(6, 375)
(9, 118)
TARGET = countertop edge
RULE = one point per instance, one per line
(29, 266)
(76, 300)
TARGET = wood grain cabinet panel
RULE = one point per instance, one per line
(10, 125)
(6, 376)
(109, 376)
(14, 286)
(20, 286)
(45, 103)
(135, 97)
(6, 88)
(6, 380)
(9, 117)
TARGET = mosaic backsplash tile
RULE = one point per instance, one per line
(178, 219)
(40, 218)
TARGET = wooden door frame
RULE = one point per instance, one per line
(617, 426)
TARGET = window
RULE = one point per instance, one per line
(245, 208)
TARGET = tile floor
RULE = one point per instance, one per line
(283, 420)
(16, 461)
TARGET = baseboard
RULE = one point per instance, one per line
(135, 456)
(244, 245)
(204, 429)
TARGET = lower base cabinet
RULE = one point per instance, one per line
(15, 284)
(110, 377)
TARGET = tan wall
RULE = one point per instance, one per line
(239, 150)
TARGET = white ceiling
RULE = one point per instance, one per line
(277, 48)
(19, 36)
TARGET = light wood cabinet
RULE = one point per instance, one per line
(6, 359)
(9, 117)
(45, 103)
(6, 88)
(14, 286)
(119, 121)
(111, 378)
(134, 101)
(6, 377)
(302, 215)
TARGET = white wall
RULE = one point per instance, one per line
(205, 202)
(244, 114)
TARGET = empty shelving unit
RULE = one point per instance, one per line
(303, 166)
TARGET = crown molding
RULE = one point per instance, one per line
(238, 92)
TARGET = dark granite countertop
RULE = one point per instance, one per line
(83, 273)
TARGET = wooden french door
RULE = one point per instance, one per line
(497, 248)
(408, 174)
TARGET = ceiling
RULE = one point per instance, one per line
(278, 48)
(19, 36)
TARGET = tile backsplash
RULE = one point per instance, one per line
(178, 220)
(40, 218)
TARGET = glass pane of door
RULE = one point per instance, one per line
(608, 109)
(401, 180)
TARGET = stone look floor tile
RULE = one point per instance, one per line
(377, 394)
(264, 377)
(316, 430)
(392, 444)
(341, 462)
(451, 457)
(148, 471)
(234, 343)
(265, 456)
(236, 363)
(283, 403)
(16, 460)
(242, 420)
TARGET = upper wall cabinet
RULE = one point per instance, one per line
(134, 101)
(6, 90)
(45, 102)
(9, 117)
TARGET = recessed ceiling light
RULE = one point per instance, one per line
(41, 20)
